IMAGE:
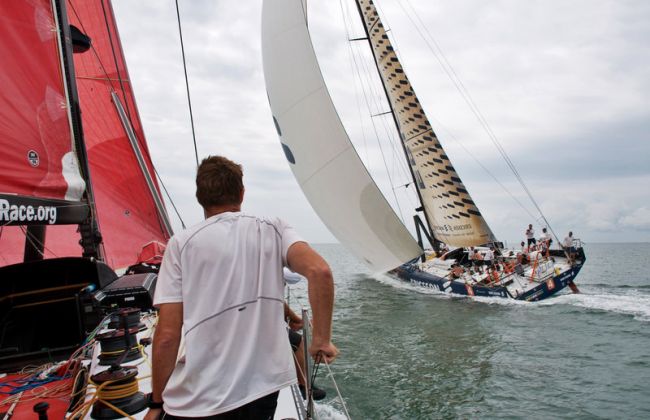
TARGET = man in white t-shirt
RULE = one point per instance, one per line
(530, 235)
(488, 257)
(220, 286)
(545, 240)
(569, 247)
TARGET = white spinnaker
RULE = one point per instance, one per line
(321, 156)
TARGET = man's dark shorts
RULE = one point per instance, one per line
(295, 339)
(260, 409)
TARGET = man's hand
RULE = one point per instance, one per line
(323, 351)
(296, 324)
(153, 414)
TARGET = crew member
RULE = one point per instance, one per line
(221, 286)
(530, 235)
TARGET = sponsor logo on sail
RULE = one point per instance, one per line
(25, 213)
(33, 158)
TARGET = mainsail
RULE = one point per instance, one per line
(39, 166)
(40, 160)
(320, 153)
(449, 209)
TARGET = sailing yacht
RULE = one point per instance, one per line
(82, 222)
(347, 200)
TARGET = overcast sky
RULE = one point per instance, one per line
(564, 85)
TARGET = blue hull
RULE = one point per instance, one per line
(409, 272)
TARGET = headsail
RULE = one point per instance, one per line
(450, 211)
(321, 156)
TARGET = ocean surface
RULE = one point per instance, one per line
(411, 353)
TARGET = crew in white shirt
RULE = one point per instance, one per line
(530, 235)
(221, 286)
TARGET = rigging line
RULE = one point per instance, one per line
(117, 66)
(92, 47)
(336, 387)
(119, 79)
(397, 155)
(412, 170)
(187, 83)
(356, 66)
(390, 130)
(169, 197)
(356, 94)
(451, 73)
(414, 199)
(112, 88)
(476, 159)
(36, 243)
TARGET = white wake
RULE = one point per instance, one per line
(633, 302)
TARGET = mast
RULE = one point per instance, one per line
(91, 237)
(428, 231)
(451, 214)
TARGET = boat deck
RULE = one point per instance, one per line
(53, 384)
(288, 401)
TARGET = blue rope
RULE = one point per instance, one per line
(27, 384)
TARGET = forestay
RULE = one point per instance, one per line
(320, 153)
(451, 212)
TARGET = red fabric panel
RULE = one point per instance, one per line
(33, 116)
(60, 241)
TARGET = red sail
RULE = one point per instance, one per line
(35, 135)
(38, 158)
(128, 218)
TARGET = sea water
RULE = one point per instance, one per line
(412, 353)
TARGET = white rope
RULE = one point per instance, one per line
(336, 387)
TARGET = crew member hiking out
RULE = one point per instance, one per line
(221, 286)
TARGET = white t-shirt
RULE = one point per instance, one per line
(489, 255)
(227, 272)
(530, 233)
(568, 241)
(545, 237)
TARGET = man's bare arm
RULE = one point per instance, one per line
(320, 285)
(166, 341)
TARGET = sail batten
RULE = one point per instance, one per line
(319, 152)
(450, 212)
